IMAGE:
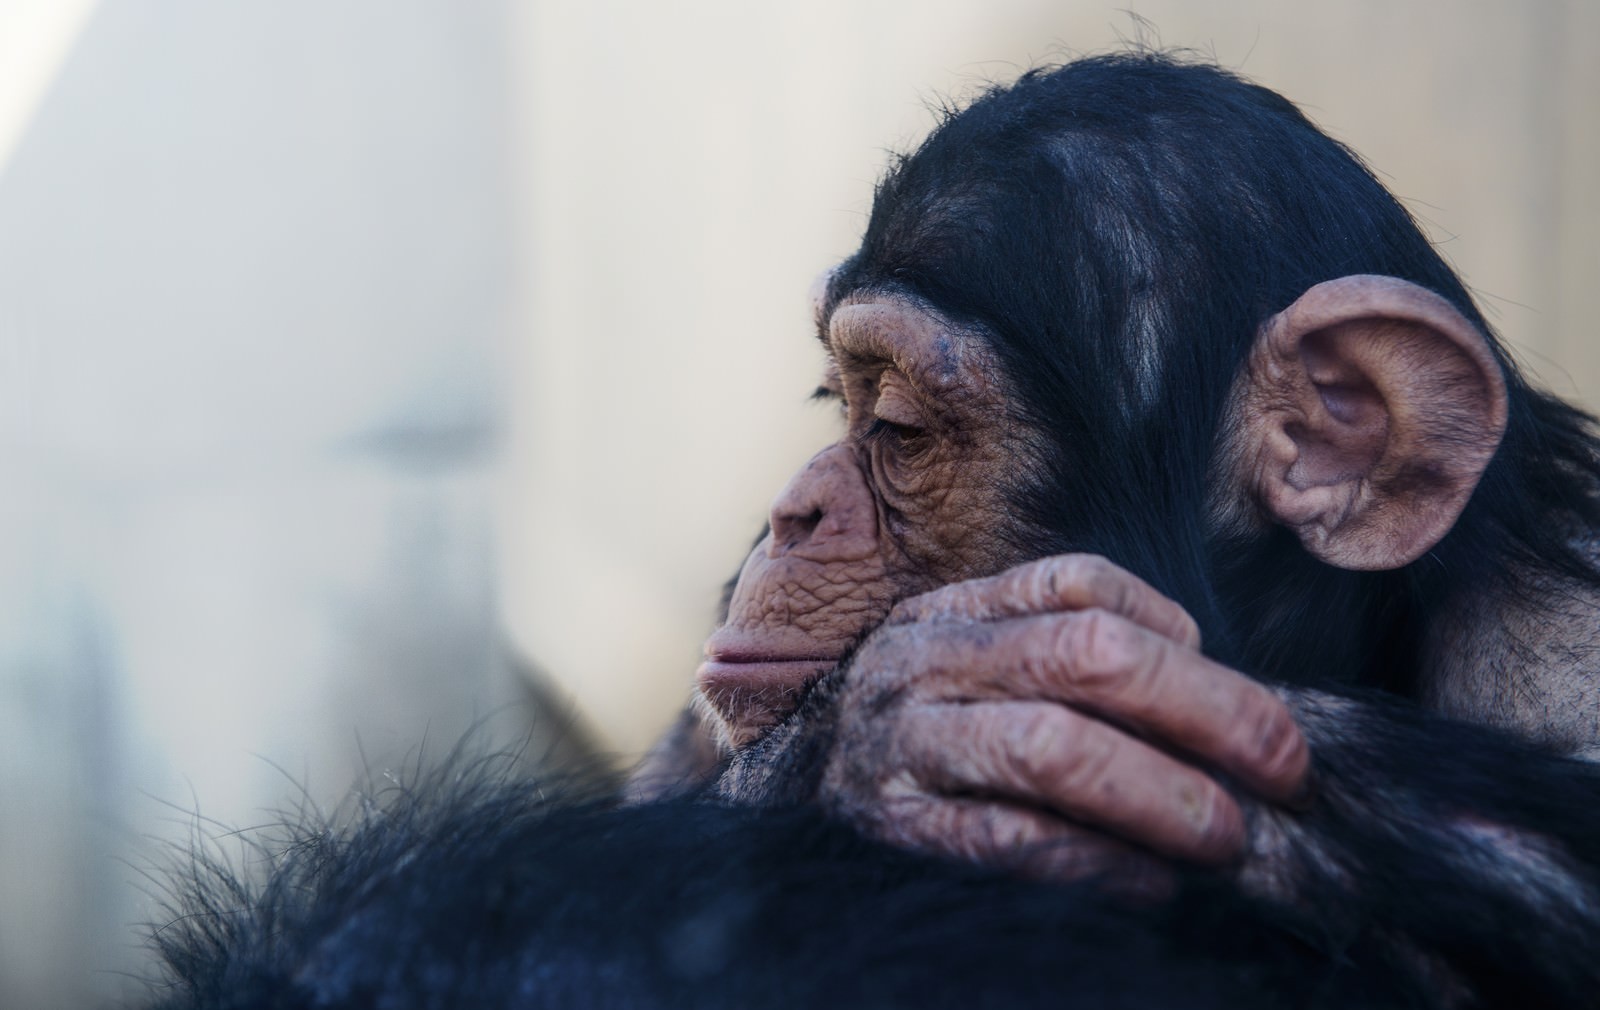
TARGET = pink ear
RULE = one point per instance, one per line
(1366, 414)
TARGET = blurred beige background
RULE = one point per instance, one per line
(361, 359)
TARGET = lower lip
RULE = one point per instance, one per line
(785, 673)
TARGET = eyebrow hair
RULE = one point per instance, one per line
(823, 319)
(831, 297)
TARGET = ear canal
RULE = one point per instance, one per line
(1368, 412)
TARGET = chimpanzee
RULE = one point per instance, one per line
(1131, 308)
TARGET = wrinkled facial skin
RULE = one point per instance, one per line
(910, 499)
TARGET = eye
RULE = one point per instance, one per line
(905, 440)
(831, 388)
(896, 417)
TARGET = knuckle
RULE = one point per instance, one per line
(1083, 768)
(1092, 569)
(1076, 575)
(1097, 646)
(1000, 831)
(1037, 583)
(913, 822)
(1073, 582)
(1109, 588)
(1035, 731)
(1059, 757)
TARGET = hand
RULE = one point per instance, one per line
(1057, 718)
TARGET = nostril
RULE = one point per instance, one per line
(824, 512)
(792, 531)
(804, 528)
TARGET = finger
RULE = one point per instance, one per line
(995, 833)
(1053, 758)
(1142, 681)
(1062, 583)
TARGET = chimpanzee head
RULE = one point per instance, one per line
(1142, 308)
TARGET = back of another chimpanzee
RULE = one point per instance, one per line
(464, 892)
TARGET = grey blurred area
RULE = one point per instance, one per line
(253, 270)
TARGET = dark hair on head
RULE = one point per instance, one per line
(1121, 226)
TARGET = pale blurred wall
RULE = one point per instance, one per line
(686, 168)
(253, 277)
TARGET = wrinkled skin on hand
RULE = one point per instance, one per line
(1057, 718)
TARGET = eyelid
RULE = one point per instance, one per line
(892, 411)
(896, 404)
(884, 431)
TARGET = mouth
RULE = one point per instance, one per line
(761, 674)
(751, 691)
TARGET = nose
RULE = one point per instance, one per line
(825, 512)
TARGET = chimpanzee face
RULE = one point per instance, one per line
(911, 498)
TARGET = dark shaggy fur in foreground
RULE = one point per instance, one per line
(470, 892)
